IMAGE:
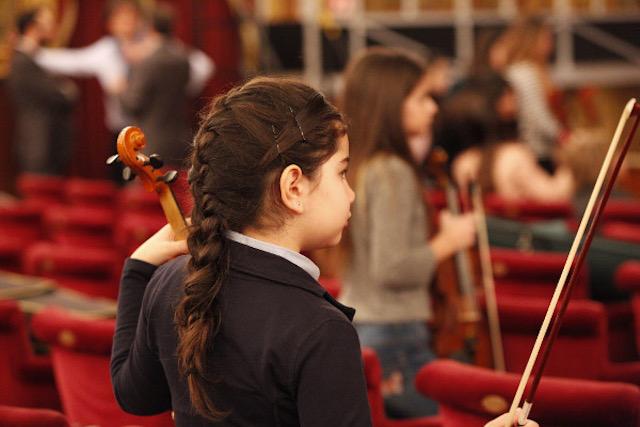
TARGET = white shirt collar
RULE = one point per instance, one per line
(294, 257)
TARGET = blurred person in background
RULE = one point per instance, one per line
(481, 121)
(156, 92)
(43, 103)
(531, 44)
(391, 261)
(105, 59)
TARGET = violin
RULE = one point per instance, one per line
(459, 330)
(131, 141)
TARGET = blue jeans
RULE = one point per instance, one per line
(403, 348)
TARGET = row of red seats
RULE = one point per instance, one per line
(80, 357)
(76, 231)
(13, 416)
(617, 210)
(486, 394)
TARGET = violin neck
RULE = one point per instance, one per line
(463, 264)
(172, 212)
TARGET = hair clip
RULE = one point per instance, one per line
(275, 138)
(298, 124)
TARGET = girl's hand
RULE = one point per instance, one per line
(457, 232)
(502, 420)
(161, 247)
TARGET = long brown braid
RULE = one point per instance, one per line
(246, 139)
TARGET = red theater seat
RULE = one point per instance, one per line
(135, 199)
(132, 229)
(20, 225)
(80, 350)
(11, 254)
(622, 210)
(470, 396)
(92, 271)
(627, 278)
(373, 376)
(21, 219)
(532, 274)
(90, 192)
(13, 416)
(527, 210)
(331, 284)
(616, 230)
(25, 379)
(80, 225)
(579, 351)
(43, 189)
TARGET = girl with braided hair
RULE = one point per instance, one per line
(231, 327)
(240, 332)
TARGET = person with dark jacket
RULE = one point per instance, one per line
(156, 93)
(42, 102)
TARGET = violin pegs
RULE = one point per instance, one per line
(156, 161)
(128, 174)
(112, 160)
(168, 177)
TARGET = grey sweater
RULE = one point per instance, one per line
(391, 262)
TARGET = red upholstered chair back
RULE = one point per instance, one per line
(625, 231)
(135, 199)
(469, 396)
(580, 350)
(80, 225)
(373, 377)
(25, 380)
(90, 192)
(20, 224)
(532, 274)
(331, 284)
(13, 416)
(627, 278)
(133, 228)
(92, 271)
(527, 210)
(80, 351)
(42, 189)
(622, 210)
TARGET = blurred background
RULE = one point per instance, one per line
(594, 62)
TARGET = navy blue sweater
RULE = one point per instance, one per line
(286, 353)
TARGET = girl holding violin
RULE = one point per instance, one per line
(392, 260)
(231, 327)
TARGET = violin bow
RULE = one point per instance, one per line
(569, 273)
(487, 278)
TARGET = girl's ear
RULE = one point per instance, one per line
(293, 187)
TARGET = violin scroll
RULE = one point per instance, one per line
(131, 141)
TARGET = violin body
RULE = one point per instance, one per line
(459, 327)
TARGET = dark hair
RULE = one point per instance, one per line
(376, 85)
(469, 117)
(246, 139)
(25, 20)
(111, 5)
(162, 18)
